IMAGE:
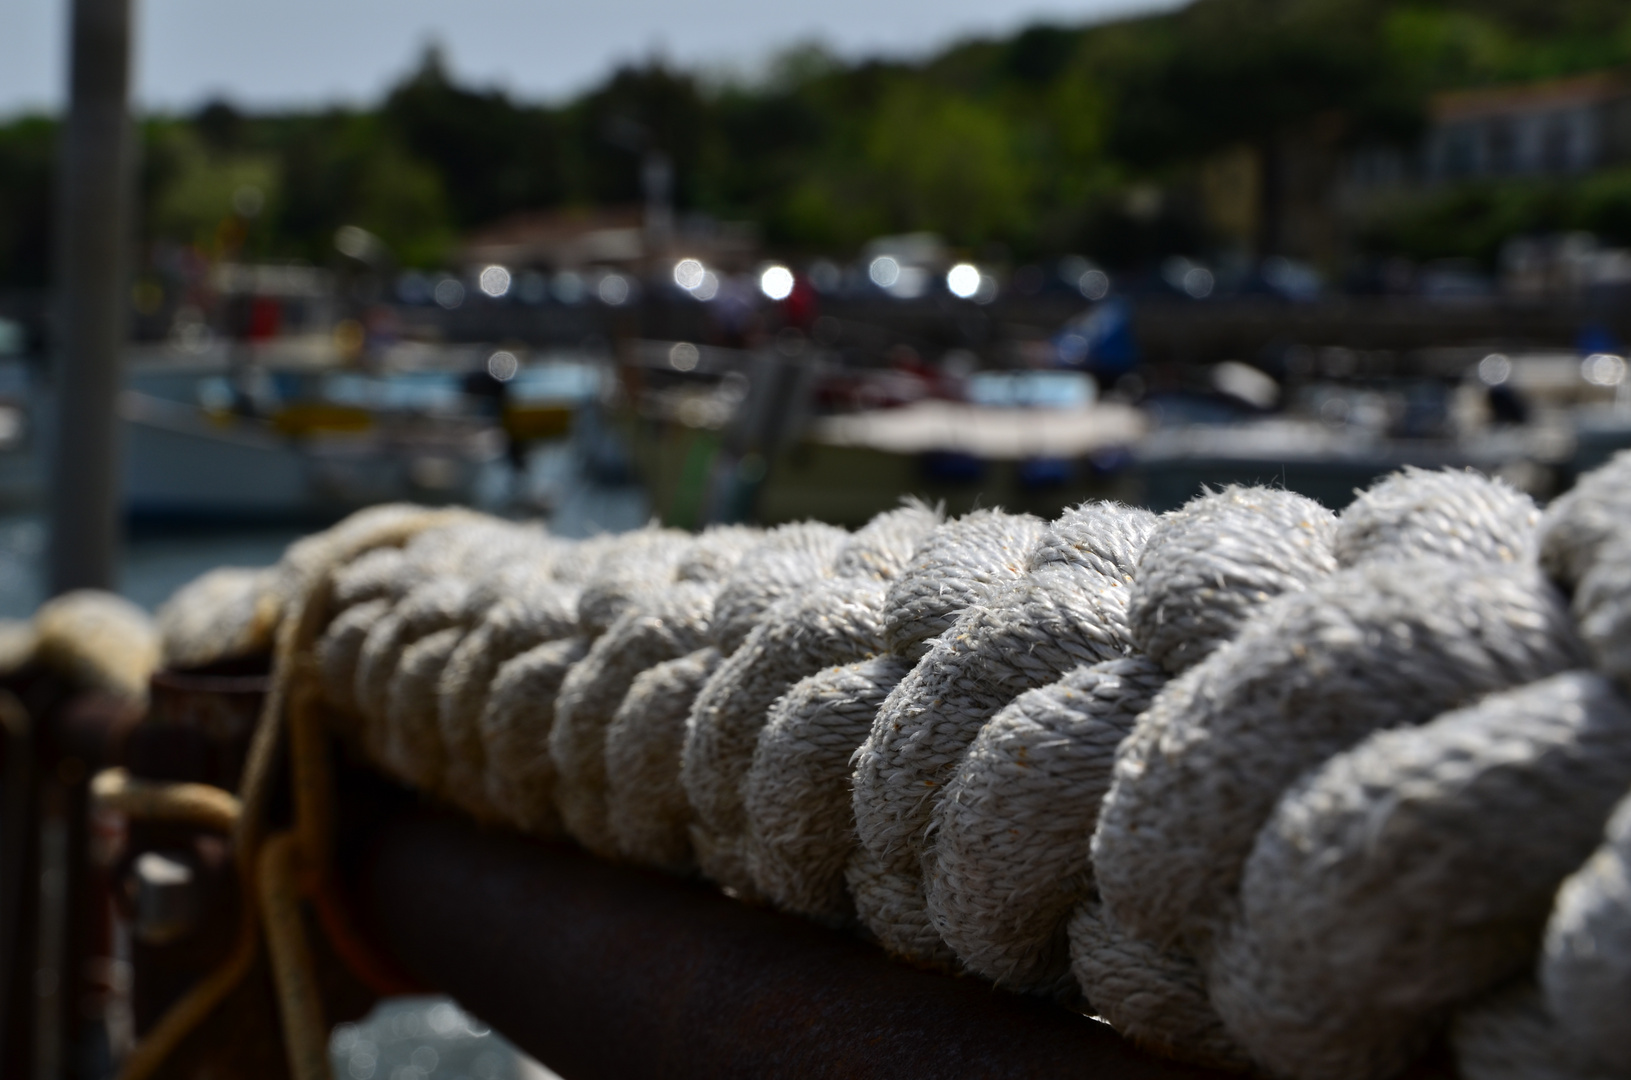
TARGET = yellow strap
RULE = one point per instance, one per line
(296, 634)
(197, 1003)
(147, 800)
(305, 1037)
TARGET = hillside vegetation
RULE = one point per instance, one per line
(1021, 146)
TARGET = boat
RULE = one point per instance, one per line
(757, 437)
(183, 462)
(304, 444)
(728, 435)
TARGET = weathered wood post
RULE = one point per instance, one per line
(94, 226)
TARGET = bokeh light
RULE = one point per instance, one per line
(963, 280)
(1494, 369)
(503, 365)
(1094, 284)
(776, 282)
(689, 273)
(354, 242)
(683, 356)
(613, 290)
(884, 271)
(449, 293)
(494, 281)
(1603, 369)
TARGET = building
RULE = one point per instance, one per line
(618, 237)
(1559, 127)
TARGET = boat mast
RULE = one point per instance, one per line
(95, 211)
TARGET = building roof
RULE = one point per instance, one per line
(607, 236)
(1492, 101)
(575, 236)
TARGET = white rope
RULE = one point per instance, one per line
(665, 626)
(409, 747)
(643, 562)
(1602, 609)
(1594, 512)
(647, 812)
(225, 614)
(1460, 516)
(1586, 967)
(1315, 672)
(958, 564)
(515, 727)
(1011, 834)
(1155, 997)
(1213, 563)
(1064, 613)
(1572, 1025)
(790, 557)
(838, 621)
(1387, 740)
(529, 611)
(1414, 872)
(797, 794)
(1512, 1035)
(801, 833)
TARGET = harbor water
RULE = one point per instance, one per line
(159, 559)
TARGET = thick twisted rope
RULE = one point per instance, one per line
(1304, 859)
(668, 626)
(1066, 611)
(838, 621)
(1361, 920)
(801, 833)
(1313, 673)
(1011, 834)
(647, 813)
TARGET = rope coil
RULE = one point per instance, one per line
(797, 794)
(1586, 965)
(835, 621)
(1065, 612)
(1263, 786)
(1360, 919)
(1010, 836)
(647, 812)
(671, 625)
(1313, 673)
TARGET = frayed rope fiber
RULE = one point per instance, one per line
(1364, 916)
(1313, 673)
(797, 795)
(836, 622)
(1011, 834)
(1065, 612)
(1264, 787)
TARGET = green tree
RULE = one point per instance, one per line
(944, 162)
(27, 165)
(493, 156)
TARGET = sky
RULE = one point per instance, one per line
(271, 54)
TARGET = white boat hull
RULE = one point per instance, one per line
(180, 462)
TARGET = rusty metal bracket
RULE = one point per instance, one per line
(604, 971)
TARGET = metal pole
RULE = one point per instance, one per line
(94, 232)
(604, 971)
